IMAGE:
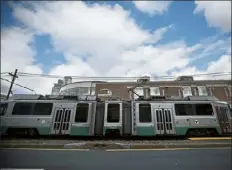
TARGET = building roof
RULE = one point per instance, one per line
(195, 82)
(79, 84)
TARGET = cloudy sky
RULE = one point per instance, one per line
(137, 38)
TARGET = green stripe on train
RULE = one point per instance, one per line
(79, 131)
(44, 130)
(145, 131)
(183, 130)
(41, 130)
(150, 131)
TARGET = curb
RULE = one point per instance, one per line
(179, 146)
(114, 146)
(210, 138)
(2, 146)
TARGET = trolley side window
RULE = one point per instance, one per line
(23, 109)
(204, 109)
(184, 109)
(144, 113)
(3, 108)
(113, 113)
(43, 108)
(82, 113)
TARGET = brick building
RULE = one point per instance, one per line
(181, 87)
(178, 88)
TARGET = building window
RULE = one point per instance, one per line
(92, 91)
(82, 111)
(155, 91)
(210, 91)
(84, 90)
(145, 113)
(202, 91)
(187, 91)
(179, 92)
(195, 91)
(163, 92)
(78, 91)
(138, 91)
(113, 113)
(226, 91)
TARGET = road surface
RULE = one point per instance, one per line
(193, 159)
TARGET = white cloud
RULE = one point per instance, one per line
(223, 64)
(150, 60)
(99, 33)
(74, 66)
(96, 40)
(215, 45)
(217, 13)
(17, 52)
(159, 34)
(152, 7)
(84, 27)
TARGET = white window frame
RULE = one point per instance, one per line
(179, 92)
(225, 89)
(200, 91)
(210, 91)
(163, 92)
(152, 89)
(189, 91)
(195, 92)
(139, 91)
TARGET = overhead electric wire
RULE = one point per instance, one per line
(86, 77)
(18, 85)
(215, 75)
(4, 73)
(158, 78)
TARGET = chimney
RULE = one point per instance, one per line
(67, 80)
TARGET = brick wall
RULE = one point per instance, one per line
(219, 88)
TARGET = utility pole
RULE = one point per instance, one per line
(12, 82)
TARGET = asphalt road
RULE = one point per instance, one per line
(195, 159)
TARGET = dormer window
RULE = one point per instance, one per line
(138, 91)
(186, 91)
(202, 91)
(155, 91)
